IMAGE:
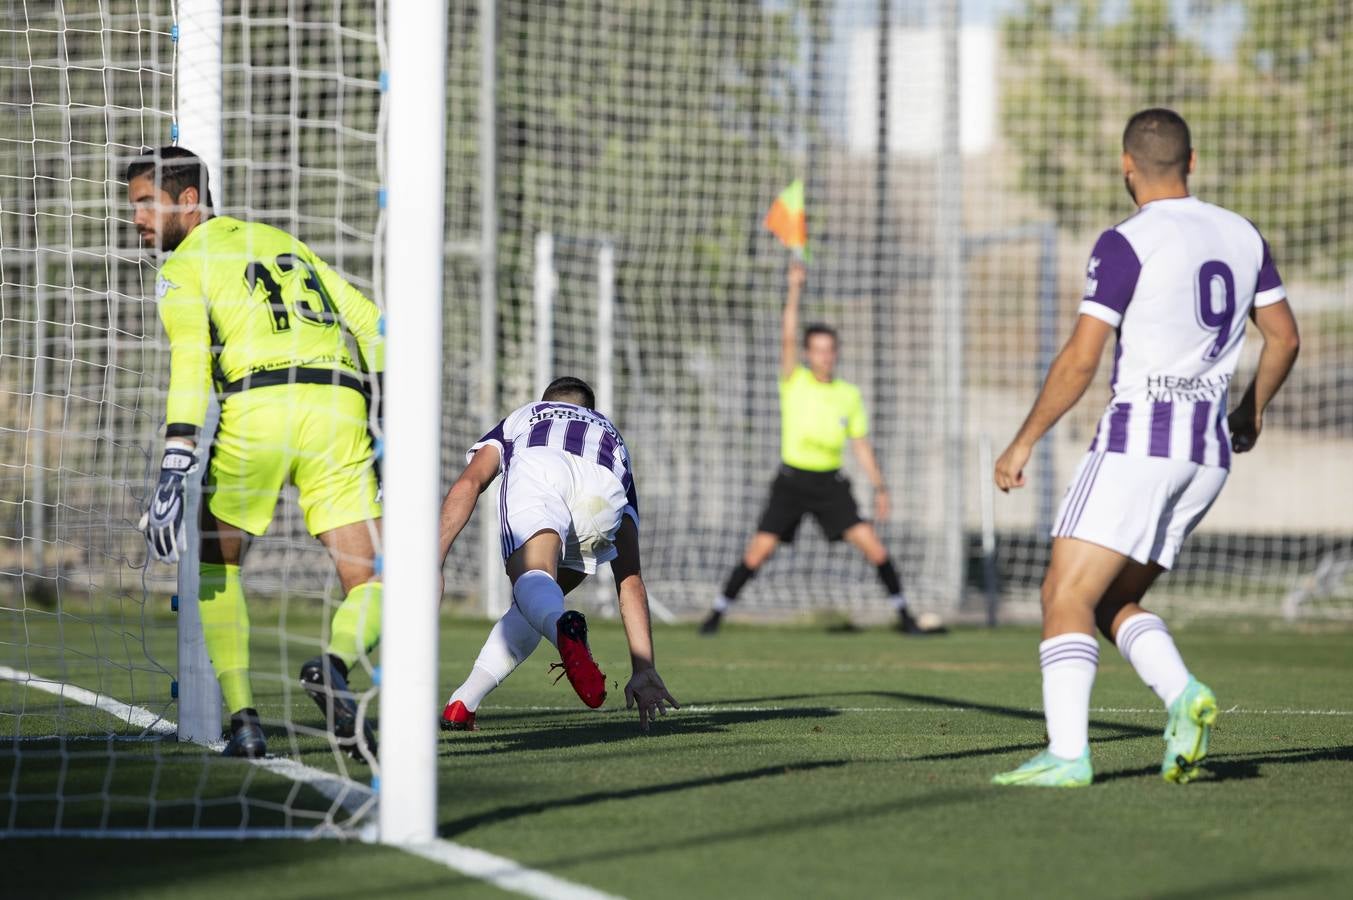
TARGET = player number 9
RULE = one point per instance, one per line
(1216, 288)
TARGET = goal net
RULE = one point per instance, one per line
(88, 665)
(663, 131)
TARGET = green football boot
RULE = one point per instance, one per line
(1192, 715)
(1046, 770)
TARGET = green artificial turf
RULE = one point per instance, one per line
(804, 764)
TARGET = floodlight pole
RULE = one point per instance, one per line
(949, 301)
(415, 190)
(490, 558)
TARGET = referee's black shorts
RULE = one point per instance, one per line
(823, 495)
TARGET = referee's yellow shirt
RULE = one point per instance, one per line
(816, 419)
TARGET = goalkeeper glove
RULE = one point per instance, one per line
(163, 522)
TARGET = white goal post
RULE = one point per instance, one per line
(415, 157)
(198, 102)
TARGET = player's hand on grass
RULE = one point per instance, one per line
(1010, 467)
(163, 522)
(1245, 427)
(646, 690)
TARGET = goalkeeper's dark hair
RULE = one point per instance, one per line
(1159, 143)
(568, 389)
(820, 328)
(175, 169)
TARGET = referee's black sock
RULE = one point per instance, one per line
(892, 583)
(737, 579)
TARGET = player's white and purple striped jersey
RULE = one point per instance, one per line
(566, 428)
(1177, 280)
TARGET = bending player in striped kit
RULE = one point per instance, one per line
(566, 503)
(1175, 283)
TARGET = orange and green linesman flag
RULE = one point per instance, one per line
(787, 220)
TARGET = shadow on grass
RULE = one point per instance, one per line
(778, 827)
(208, 868)
(1242, 766)
(156, 788)
(1251, 884)
(1042, 744)
(502, 814)
(581, 729)
(1009, 712)
(1123, 730)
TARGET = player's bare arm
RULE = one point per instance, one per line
(865, 456)
(789, 320)
(1282, 343)
(464, 494)
(645, 688)
(1068, 377)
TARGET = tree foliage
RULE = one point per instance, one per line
(1272, 120)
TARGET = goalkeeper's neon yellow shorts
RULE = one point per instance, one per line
(314, 435)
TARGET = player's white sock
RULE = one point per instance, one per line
(1146, 643)
(899, 602)
(478, 685)
(541, 602)
(721, 604)
(1069, 662)
(509, 643)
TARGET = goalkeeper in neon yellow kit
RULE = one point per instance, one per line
(254, 315)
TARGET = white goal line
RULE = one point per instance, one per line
(354, 797)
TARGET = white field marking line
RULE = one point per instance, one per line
(353, 796)
(503, 873)
(1125, 710)
(136, 716)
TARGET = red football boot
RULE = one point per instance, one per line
(457, 718)
(578, 664)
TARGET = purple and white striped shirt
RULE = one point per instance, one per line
(566, 428)
(1177, 280)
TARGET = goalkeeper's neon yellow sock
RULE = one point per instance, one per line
(356, 626)
(225, 626)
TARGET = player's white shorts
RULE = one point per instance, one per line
(546, 490)
(1141, 506)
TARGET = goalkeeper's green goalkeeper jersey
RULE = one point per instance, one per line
(240, 298)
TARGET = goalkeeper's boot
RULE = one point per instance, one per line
(577, 661)
(325, 679)
(1192, 715)
(710, 626)
(457, 718)
(1046, 770)
(246, 736)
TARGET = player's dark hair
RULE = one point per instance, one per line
(175, 169)
(1159, 143)
(567, 389)
(819, 328)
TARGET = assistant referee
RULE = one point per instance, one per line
(819, 413)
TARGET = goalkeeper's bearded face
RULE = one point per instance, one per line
(161, 220)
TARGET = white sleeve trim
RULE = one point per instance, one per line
(1099, 311)
(469, 454)
(632, 513)
(1271, 296)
